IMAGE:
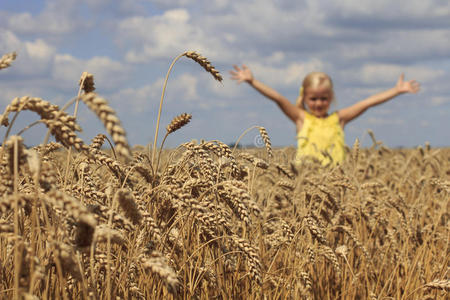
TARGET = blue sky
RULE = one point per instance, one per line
(128, 45)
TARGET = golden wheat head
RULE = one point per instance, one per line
(266, 139)
(205, 63)
(178, 122)
(110, 120)
(7, 59)
(87, 82)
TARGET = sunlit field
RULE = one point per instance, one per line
(102, 220)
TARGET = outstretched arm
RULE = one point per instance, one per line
(351, 112)
(244, 74)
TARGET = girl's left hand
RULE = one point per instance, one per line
(411, 86)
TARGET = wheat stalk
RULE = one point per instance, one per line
(13, 144)
(199, 59)
(254, 160)
(175, 124)
(86, 83)
(355, 152)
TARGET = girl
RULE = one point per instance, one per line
(320, 134)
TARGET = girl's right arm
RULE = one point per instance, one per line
(291, 111)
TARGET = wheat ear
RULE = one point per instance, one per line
(439, 284)
(205, 63)
(110, 120)
(7, 59)
(97, 141)
(355, 152)
(176, 123)
(87, 82)
(266, 139)
(252, 257)
(158, 265)
(127, 202)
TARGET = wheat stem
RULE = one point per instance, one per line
(18, 248)
(160, 150)
(29, 126)
(9, 128)
(160, 105)
(242, 135)
(69, 153)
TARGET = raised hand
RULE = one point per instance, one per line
(411, 86)
(241, 74)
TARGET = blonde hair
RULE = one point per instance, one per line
(315, 80)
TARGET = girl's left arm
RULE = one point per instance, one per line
(349, 113)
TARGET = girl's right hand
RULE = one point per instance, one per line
(242, 74)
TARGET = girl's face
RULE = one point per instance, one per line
(318, 100)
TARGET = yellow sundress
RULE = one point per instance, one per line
(322, 138)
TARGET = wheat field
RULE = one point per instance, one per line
(103, 220)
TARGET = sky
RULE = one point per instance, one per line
(128, 45)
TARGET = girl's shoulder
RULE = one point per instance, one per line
(333, 118)
(339, 118)
(334, 114)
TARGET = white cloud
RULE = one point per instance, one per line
(159, 36)
(183, 88)
(289, 75)
(424, 123)
(181, 92)
(399, 45)
(385, 121)
(137, 100)
(276, 57)
(437, 101)
(39, 50)
(208, 5)
(173, 3)
(33, 57)
(42, 65)
(246, 30)
(108, 74)
(263, 23)
(9, 41)
(10, 92)
(58, 17)
(389, 73)
(385, 8)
